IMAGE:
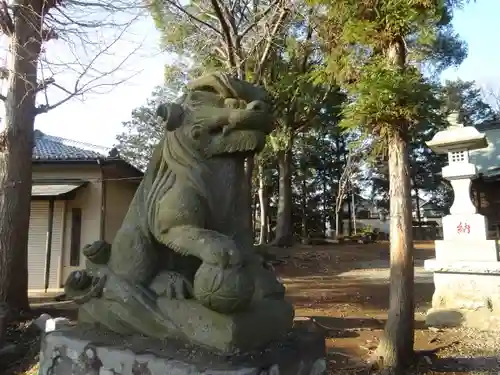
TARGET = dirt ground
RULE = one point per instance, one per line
(344, 290)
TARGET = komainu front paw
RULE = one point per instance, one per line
(172, 285)
(98, 252)
(78, 281)
(81, 287)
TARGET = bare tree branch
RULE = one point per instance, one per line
(90, 32)
(240, 38)
(42, 85)
(264, 58)
(192, 16)
(79, 29)
(81, 88)
(224, 23)
(259, 17)
(6, 23)
(345, 184)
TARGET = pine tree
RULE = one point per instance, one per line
(376, 49)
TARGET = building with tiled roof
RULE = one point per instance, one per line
(48, 147)
(80, 194)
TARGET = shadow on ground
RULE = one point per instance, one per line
(486, 365)
(322, 292)
(353, 324)
(314, 260)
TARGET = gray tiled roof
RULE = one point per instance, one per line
(48, 147)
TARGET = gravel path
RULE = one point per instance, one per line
(476, 353)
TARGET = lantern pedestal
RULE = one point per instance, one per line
(466, 293)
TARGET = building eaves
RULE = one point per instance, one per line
(50, 148)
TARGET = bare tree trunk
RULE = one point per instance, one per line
(16, 147)
(338, 227)
(264, 205)
(339, 217)
(349, 214)
(396, 346)
(419, 235)
(254, 214)
(304, 209)
(284, 235)
(324, 214)
(417, 204)
(353, 202)
(249, 165)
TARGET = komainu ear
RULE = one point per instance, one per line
(172, 114)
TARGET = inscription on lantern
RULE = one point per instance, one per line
(463, 228)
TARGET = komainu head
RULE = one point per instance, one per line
(219, 115)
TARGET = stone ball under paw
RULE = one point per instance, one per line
(225, 290)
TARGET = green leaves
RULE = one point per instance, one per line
(466, 97)
(378, 50)
(388, 99)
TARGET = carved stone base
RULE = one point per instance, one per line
(85, 351)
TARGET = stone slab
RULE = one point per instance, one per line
(466, 299)
(459, 171)
(205, 327)
(85, 351)
(462, 267)
(466, 250)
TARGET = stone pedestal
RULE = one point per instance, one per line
(86, 351)
(466, 293)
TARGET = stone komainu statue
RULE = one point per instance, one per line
(182, 264)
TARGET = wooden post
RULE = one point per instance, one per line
(48, 246)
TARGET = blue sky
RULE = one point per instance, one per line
(476, 24)
(98, 118)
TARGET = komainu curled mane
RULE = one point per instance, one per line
(189, 209)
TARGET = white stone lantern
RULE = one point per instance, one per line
(466, 268)
(457, 140)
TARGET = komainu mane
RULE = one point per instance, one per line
(186, 231)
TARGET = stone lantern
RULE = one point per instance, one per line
(466, 268)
